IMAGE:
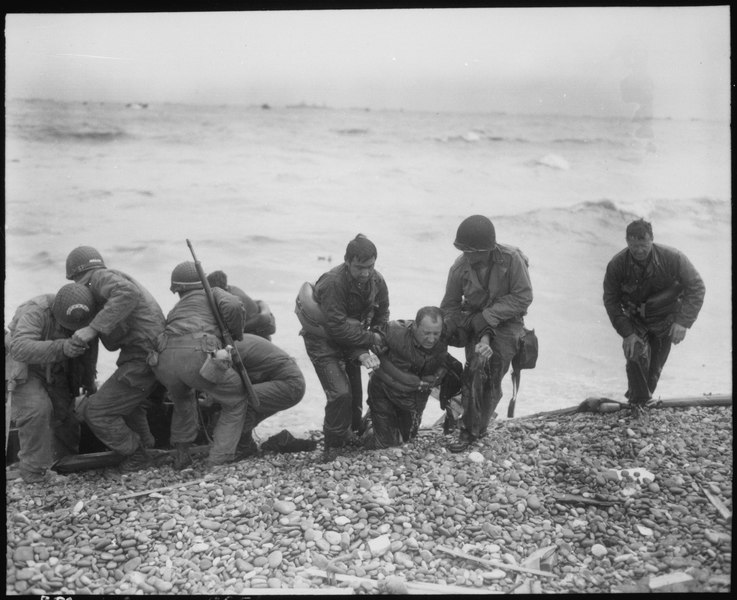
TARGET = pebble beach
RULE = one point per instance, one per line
(549, 503)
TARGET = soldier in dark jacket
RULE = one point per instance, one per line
(259, 319)
(353, 301)
(413, 362)
(45, 369)
(129, 320)
(486, 297)
(653, 295)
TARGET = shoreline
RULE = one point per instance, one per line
(545, 496)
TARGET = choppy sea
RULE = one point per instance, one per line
(271, 195)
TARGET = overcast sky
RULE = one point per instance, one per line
(559, 60)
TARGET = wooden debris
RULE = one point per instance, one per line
(720, 506)
(493, 563)
(167, 488)
(413, 587)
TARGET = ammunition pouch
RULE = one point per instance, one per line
(526, 357)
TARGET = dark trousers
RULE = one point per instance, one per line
(644, 372)
(482, 385)
(340, 377)
(395, 416)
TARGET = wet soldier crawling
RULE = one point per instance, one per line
(413, 361)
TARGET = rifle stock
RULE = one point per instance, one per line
(227, 337)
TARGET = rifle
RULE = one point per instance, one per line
(8, 411)
(227, 338)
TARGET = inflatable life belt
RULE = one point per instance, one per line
(308, 311)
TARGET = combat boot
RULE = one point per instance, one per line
(182, 457)
(136, 461)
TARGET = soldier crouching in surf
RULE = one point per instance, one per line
(652, 294)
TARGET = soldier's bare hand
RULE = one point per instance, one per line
(73, 348)
(677, 333)
(86, 334)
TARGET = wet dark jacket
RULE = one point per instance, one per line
(505, 297)
(627, 285)
(405, 363)
(129, 318)
(350, 312)
(192, 314)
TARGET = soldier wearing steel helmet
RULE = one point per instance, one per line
(129, 321)
(487, 295)
(191, 336)
(45, 367)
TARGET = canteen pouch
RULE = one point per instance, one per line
(526, 357)
(214, 369)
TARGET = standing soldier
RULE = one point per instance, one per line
(351, 300)
(652, 294)
(486, 297)
(45, 368)
(129, 320)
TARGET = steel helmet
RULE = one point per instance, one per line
(83, 259)
(475, 233)
(74, 306)
(185, 277)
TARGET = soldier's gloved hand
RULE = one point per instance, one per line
(73, 348)
(677, 333)
(633, 345)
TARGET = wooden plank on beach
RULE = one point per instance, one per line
(413, 587)
(685, 401)
(719, 505)
(493, 563)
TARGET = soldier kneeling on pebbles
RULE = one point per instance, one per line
(45, 368)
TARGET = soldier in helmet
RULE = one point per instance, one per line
(191, 336)
(260, 320)
(486, 297)
(45, 368)
(129, 320)
(352, 300)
